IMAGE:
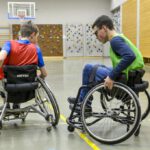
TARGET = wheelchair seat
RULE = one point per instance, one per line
(20, 83)
(135, 81)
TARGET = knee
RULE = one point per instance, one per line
(87, 68)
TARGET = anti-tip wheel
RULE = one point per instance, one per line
(49, 128)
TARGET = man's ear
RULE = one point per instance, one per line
(32, 35)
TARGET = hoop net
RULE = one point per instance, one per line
(21, 17)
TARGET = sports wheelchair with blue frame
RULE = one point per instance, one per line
(115, 114)
(21, 84)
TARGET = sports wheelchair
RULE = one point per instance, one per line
(115, 114)
(21, 84)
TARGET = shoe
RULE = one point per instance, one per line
(71, 100)
(78, 108)
(16, 106)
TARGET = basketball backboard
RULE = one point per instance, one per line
(21, 10)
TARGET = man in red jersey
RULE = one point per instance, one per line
(24, 51)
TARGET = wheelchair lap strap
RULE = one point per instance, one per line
(93, 73)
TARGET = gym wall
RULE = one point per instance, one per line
(145, 28)
(135, 24)
(129, 26)
(50, 38)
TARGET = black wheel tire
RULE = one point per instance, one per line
(137, 131)
(146, 112)
(1, 126)
(71, 128)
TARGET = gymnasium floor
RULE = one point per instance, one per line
(64, 78)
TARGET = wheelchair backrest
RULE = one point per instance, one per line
(20, 82)
(20, 74)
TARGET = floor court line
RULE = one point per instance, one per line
(83, 136)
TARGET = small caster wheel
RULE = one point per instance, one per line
(23, 120)
(83, 130)
(49, 128)
(137, 131)
(70, 128)
(1, 126)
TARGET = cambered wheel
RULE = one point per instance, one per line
(115, 115)
(48, 102)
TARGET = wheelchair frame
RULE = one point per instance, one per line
(45, 105)
(127, 114)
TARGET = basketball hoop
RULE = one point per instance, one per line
(21, 10)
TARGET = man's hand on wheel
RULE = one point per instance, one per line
(108, 83)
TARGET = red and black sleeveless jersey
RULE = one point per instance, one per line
(22, 54)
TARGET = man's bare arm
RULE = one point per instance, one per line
(43, 72)
(3, 55)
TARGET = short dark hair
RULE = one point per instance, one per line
(27, 28)
(103, 20)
